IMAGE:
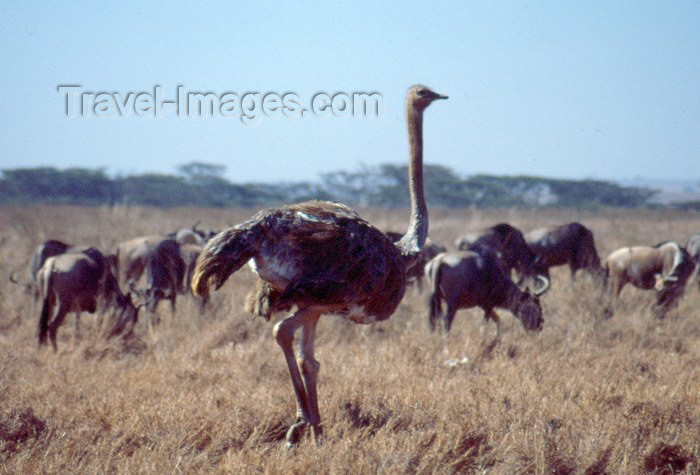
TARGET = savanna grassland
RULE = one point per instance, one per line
(211, 392)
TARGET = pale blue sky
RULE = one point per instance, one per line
(566, 89)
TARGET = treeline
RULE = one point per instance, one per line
(202, 184)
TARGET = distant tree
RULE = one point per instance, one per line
(202, 184)
(73, 185)
(201, 173)
(157, 190)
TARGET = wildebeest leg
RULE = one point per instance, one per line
(419, 284)
(491, 314)
(77, 325)
(613, 297)
(57, 321)
(494, 316)
(434, 309)
(449, 317)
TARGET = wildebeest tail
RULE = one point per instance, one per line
(432, 272)
(44, 279)
(605, 276)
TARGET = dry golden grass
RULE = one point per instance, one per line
(211, 393)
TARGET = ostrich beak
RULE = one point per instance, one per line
(440, 96)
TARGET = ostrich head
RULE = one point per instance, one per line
(419, 97)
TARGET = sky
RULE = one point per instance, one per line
(585, 89)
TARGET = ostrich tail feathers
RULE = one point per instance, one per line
(222, 256)
(202, 276)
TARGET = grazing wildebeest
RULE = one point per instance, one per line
(466, 279)
(511, 249)
(693, 249)
(166, 273)
(51, 248)
(430, 250)
(192, 235)
(74, 283)
(665, 267)
(571, 244)
(43, 251)
(132, 256)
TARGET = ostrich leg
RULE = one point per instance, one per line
(284, 334)
(309, 372)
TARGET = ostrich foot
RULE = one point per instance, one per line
(297, 430)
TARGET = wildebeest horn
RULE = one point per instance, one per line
(658, 281)
(194, 226)
(141, 305)
(139, 294)
(543, 288)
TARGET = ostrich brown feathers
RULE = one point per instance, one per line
(309, 253)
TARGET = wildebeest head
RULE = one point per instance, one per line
(126, 314)
(677, 265)
(529, 311)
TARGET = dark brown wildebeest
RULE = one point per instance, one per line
(51, 248)
(132, 257)
(665, 267)
(466, 279)
(430, 249)
(511, 250)
(571, 244)
(693, 249)
(74, 283)
(166, 274)
(43, 251)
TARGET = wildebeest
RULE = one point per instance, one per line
(74, 282)
(132, 257)
(665, 267)
(166, 273)
(43, 251)
(466, 279)
(429, 251)
(511, 250)
(571, 244)
(192, 235)
(693, 249)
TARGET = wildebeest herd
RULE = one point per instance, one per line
(319, 258)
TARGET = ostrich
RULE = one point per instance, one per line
(323, 258)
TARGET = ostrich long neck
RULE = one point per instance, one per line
(412, 242)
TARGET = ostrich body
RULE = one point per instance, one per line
(323, 258)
